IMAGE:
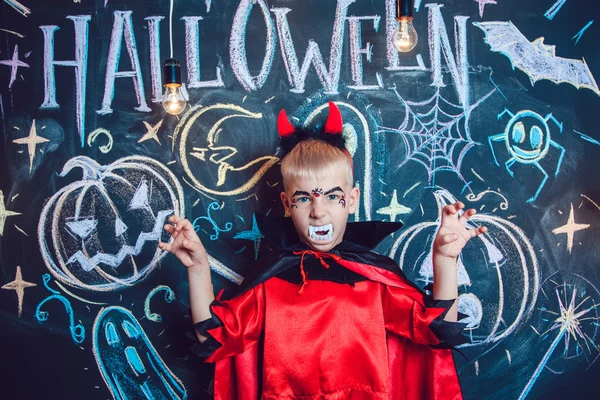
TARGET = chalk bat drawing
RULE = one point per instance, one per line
(500, 267)
(19, 285)
(199, 162)
(77, 330)
(527, 139)
(569, 321)
(169, 297)
(536, 59)
(129, 364)
(101, 233)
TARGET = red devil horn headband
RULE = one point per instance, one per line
(333, 125)
(284, 127)
(334, 121)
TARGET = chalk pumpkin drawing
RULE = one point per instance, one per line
(101, 233)
(500, 267)
(129, 364)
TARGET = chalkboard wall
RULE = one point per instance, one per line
(497, 106)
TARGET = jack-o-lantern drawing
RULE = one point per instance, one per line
(499, 272)
(101, 233)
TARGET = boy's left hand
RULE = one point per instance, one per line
(453, 233)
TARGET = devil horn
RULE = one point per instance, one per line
(284, 127)
(334, 121)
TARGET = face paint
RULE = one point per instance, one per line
(317, 192)
(294, 205)
(343, 201)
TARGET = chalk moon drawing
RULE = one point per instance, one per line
(499, 272)
(101, 233)
(206, 147)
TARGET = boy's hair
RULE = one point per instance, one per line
(315, 158)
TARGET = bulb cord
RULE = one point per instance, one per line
(171, 27)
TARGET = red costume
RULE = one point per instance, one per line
(345, 324)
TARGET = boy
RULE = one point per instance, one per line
(327, 318)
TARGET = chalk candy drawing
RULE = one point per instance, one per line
(101, 233)
(127, 360)
(527, 139)
(536, 59)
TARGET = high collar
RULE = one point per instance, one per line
(358, 237)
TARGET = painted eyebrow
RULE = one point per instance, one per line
(300, 193)
(335, 189)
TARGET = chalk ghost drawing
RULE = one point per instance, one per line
(129, 364)
(499, 272)
(101, 233)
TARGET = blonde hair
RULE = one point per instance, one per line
(315, 158)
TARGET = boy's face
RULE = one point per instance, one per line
(319, 207)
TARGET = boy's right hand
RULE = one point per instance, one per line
(186, 245)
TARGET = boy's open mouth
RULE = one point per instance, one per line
(323, 232)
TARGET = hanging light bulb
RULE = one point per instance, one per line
(173, 100)
(405, 35)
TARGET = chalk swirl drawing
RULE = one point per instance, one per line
(500, 267)
(202, 158)
(536, 59)
(169, 297)
(77, 330)
(527, 139)
(128, 362)
(101, 233)
(212, 206)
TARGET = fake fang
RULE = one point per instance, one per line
(323, 232)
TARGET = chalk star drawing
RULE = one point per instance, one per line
(482, 4)
(31, 141)
(14, 63)
(253, 234)
(570, 228)
(394, 208)
(527, 138)
(19, 286)
(436, 133)
(151, 132)
(4, 213)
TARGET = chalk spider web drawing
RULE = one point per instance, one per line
(436, 133)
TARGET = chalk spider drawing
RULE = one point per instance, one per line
(527, 138)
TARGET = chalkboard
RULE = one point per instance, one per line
(496, 107)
